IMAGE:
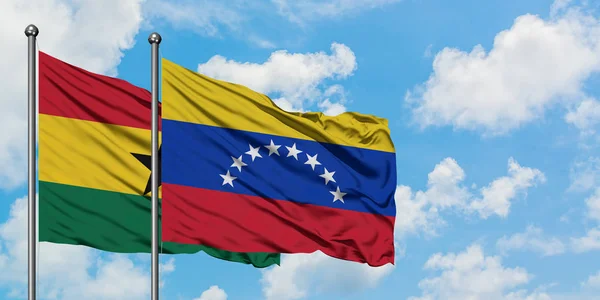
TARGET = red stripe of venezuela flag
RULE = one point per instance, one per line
(240, 174)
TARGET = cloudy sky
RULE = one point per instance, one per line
(493, 107)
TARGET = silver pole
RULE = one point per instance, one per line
(154, 40)
(31, 32)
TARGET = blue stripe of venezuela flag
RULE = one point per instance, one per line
(240, 174)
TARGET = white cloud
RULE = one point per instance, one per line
(331, 109)
(497, 195)
(296, 78)
(204, 17)
(301, 11)
(415, 214)
(213, 293)
(532, 66)
(566, 217)
(586, 116)
(589, 242)
(67, 271)
(444, 189)
(585, 175)
(419, 211)
(74, 31)
(117, 278)
(427, 53)
(261, 42)
(334, 102)
(164, 269)
(301, 274)
(525, 295)
(472, 275)
(593, 282)
(593, 206)
(168, 266)
(559, 6)
(532, 239)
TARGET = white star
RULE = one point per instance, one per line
(253, 152)
(293, 151)
(312, 161)
(273, 148)
(227, 178)
(338, 195)
(328, 176)
(238, 163)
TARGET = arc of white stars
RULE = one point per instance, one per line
(338, 195)
(293, 151)
(273, 148)
(238, 163)
(227, 178)
(253, 152)
(312, 161)
(328, 176)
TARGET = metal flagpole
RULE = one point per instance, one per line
(31, 32)
(154, 39)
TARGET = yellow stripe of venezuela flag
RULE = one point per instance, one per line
(94, 164)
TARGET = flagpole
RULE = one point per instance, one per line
(31, 32)
(154, 39)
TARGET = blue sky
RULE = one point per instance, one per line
(492, 106)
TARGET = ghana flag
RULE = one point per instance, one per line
(94, 164)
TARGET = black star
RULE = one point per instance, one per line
(147, 161)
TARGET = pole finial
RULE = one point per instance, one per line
(31, 30)
(154, 38)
